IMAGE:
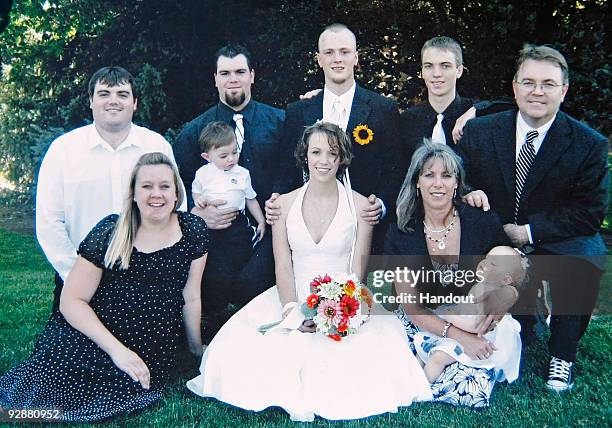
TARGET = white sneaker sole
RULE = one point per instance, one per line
(558, 386)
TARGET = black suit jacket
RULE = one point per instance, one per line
(480, 231)
(262, 143)
(565, 196)
(375, 169)
(419, 120)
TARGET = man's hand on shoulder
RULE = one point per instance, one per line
(272, 208)
(310, 94)
(372, 212)
(477, 199)
(216, 218)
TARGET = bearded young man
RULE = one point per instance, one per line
(257, 127)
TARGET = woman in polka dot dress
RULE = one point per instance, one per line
(110, 348)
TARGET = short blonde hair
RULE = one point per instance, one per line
(446, 44)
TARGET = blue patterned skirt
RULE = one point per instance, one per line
(458, 384)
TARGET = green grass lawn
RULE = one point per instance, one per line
(607, 224)
(26, 295)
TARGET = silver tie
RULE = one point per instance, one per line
(437, 135)
(337, 114)
(239, 130)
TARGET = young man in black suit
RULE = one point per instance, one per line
(435, 118)
(546, 175)
(371, 120)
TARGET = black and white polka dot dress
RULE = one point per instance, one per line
(141, 307)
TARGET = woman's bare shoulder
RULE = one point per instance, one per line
(286, 200)
(360, 200)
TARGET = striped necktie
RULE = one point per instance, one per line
(525, 159)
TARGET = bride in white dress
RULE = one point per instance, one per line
(306, 373)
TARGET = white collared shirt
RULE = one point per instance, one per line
(522, 128)
(232, 186)
(345, 101)
(521, 133)
(82, 179)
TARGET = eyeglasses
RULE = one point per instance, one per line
(530, 86)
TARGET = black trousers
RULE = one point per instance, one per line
(574, 284)
(235, 272)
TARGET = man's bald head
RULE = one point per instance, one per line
(337, 28)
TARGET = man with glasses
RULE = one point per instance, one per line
(546, 175)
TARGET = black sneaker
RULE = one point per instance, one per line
(560, 375)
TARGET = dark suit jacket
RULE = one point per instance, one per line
(262, 143)
(419, 121)
(375, 169)
(565, 196)
(480, 231)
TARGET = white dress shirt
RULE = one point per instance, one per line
(232, 186)
(522, 128)
(82, 179)
(337, 108)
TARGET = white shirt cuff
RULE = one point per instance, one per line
(528, 227)
(384, 208)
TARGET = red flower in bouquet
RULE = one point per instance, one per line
(334, 303)
(349, 306)
(335, 337)
(312, 300)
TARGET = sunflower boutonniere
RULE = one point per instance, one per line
(363, 135)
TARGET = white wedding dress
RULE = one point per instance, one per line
(369, 373)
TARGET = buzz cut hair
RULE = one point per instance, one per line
(336, 27)
(447, 44)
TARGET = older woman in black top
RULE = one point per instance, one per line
(438, 233)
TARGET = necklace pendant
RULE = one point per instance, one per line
(441, 245)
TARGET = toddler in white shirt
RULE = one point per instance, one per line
(223, 178)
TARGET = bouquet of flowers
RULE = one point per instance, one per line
(336, 305)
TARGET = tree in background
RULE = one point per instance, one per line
(50, 48)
